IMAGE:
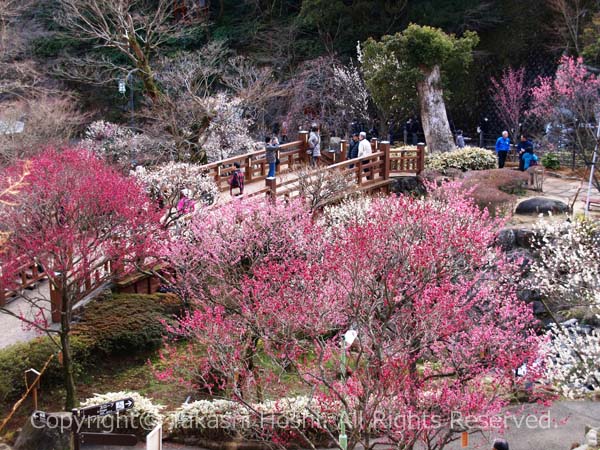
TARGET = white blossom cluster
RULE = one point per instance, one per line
(120, 145)
(567, 270)
(353, 96)
(467, 158)
(573, 360)
(145, 414)
(166, 183)
(351, 210)
(109, 140)
(293, 411)
(228, 133)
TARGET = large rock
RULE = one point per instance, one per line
(5, 447)
(52, 437)
(408, 186)
(541, 205)
(506, 239)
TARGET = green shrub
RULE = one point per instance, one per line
(17, 358)
(468, 158)
(550, 161)
(127, 323)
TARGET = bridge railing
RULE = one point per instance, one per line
(28, 275)
(254, 164)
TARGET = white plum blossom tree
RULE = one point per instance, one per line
(165, 184)
(567, 271)
(228, 133)
(572, 360)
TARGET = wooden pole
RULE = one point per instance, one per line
(343, 150)
(272, 185)
(385, 148)
(29, 389)
(303, 137)
(421, 157)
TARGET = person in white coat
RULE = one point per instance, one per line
(364, 149)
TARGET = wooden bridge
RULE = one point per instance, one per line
(368, 174)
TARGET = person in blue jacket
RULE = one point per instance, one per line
(523, 146)
(530, 161)
(502, 148)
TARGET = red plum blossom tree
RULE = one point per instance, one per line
(73, 215)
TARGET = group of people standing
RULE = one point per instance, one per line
(527, 158)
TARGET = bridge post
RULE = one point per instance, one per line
(248, 169)
(374, 144)
(303, 137)
(421, 157)
(272, 185)
(385, 148)
(343, 150)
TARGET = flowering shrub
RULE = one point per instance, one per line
(350, 210)
(567, 271)
(145, 415)
(120, 145)
(166, 182)
(572, 360)
(468, 158)
(218, 418)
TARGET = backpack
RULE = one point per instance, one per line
(237, 180)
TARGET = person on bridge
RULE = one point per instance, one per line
(502, 148)
(364, 149)
(236, 180)
(271, 148)
(314, 145)
(353, 147)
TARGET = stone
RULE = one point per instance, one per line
(45, 438)
(592, 438)
(5, 447)
(408, 186)
(524, 237)
(506, 239)
(541, 205)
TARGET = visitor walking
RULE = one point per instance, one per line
(364, 148)
(523, 146)
(314, 145)
(353, 149)
(460, 140)
(272, 147)
(502, 148)
(236, 180)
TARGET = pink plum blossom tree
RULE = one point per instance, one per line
(439, 329)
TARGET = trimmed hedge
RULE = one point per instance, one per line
(127, 322)
(109, 326)
(468, 158)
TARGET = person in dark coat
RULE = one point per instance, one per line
(523, 147)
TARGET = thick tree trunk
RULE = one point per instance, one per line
(433, 112)
(67, 357)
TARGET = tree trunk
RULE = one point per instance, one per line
(433, 112)
(67, 357)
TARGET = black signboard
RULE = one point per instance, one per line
(127, 440)
(107, 408)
